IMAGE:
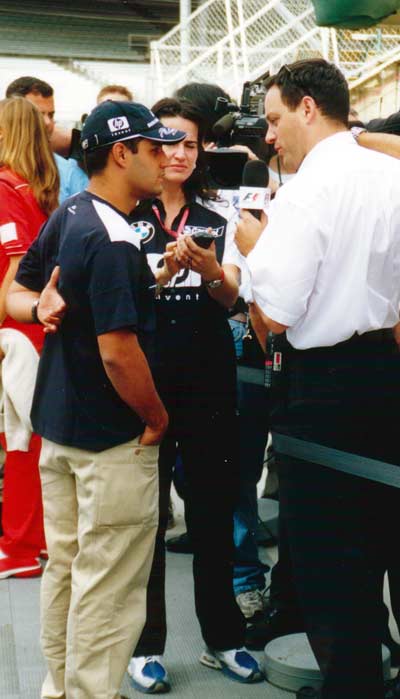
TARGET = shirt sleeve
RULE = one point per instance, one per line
(29, 272)
(285, 261)
(77, 180)
(114, 283)
(14, 222)
(231, 253)
(390, 124)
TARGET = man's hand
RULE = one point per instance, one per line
(237, 147)
(248, 231)
(258, 325)
(52, 307)
(127, 368)
(262, 324)
(152, 437)
(396, 334)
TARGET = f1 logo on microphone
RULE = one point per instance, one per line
(251, 198)
(254, 197)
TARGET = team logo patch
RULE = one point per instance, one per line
(118, 124)
(145, 229)
(166, 131)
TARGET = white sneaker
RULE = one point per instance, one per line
(251, 604)
(148, 674)
(237, 664)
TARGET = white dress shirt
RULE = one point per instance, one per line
(328, 263)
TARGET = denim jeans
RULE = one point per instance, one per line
(238, 331)
(249, 572)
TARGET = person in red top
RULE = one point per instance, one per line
(29, 186)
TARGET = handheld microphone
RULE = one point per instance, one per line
(223, 125)
(254, 193)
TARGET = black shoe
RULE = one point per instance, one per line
(392, 688)
(393, 647)
(275, 624)
(179, 544)
(265, 537)
(308, 693)
(391, 691)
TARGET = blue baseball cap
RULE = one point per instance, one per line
(111, 122)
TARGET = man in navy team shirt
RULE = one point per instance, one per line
(96, 406)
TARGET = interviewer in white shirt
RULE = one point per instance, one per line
(327, 270)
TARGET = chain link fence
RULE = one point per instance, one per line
(230, 41)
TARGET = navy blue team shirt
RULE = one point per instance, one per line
(106, 283)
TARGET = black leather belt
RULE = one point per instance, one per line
(375, 335)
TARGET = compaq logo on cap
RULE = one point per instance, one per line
(118, 124)
(166, 131)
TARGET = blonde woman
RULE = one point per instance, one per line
(29, 186)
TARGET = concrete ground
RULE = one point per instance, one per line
(22, 667)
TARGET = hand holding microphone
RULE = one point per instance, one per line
(254, 197)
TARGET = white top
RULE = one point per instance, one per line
(328, 263)
(17, 382)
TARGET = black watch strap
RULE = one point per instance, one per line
(34, 311)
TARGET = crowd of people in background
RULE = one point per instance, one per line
(152, 371)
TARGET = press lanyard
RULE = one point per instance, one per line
(182, 223)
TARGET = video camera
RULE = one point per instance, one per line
(238, 125)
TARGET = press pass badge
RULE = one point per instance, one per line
(277, 361)
(273, 361)
(269, 360)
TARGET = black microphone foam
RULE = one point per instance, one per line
(255, 174)
(223, 125)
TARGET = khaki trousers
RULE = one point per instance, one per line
(101, 514)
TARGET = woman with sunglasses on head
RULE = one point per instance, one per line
(29, 188)
(197, 381)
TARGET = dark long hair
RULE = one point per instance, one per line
(196, 184)
(204, 96)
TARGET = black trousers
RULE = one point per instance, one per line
(209, 518)
(199, 392)
(341, 529)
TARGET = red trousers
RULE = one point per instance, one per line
(22, 520)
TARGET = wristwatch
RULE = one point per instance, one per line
(356, 131)
(34, 311)
(215, 283)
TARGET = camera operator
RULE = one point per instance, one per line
(325, 270)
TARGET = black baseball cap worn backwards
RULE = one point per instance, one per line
(111, 122)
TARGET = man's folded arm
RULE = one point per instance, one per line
(262, 324)
(127, 368)
(50, 309)
(19, 302)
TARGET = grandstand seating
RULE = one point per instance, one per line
(76, 84)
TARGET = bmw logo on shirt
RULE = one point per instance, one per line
(145, 229)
